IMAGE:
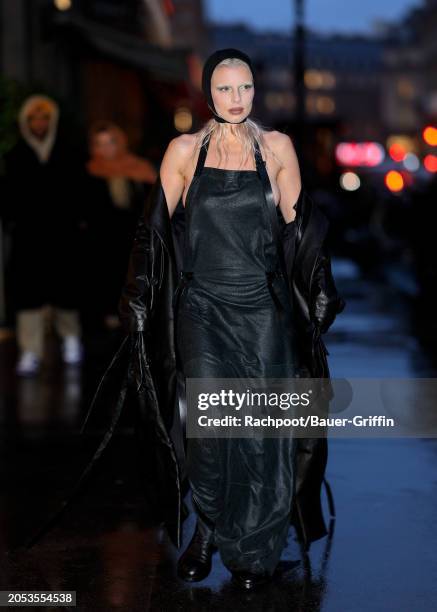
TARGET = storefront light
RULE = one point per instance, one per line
(63, 5)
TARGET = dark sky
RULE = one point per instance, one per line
(323, 15)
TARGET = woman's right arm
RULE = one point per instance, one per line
(137, 292)
(172, 170)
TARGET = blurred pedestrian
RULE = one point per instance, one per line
(41, 212)
(116, 186)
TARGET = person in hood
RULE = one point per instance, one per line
(232, 315)
(41, 212)
(229, 276)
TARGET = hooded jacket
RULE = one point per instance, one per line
(41, 210)
(42, 148)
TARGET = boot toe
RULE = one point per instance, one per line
(193, 570)
(248, 580)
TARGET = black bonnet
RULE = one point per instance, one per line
(213, 60)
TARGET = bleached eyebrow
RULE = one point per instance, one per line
(228, 85)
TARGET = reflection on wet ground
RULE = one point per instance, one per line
(380, 552)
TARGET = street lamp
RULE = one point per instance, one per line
(299, 70)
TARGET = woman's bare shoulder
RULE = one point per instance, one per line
(282, 147)
(180, 149)
(278, 142)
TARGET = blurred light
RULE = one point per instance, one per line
(430, 135)
(169, 7)
(406, 142)
(325, 105)
(183, 119)
(350, 181)
(276, 100)
(63, 5)
(359, 153)
(394, 180)
(397, 152)
(405, 88)
(318, 79)
(313, 79)
(411, 162)
(430, 163)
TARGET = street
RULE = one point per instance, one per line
(378, 555)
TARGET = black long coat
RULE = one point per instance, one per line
(107, 241)
(41, 211)
(145, 366)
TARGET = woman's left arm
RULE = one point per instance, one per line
(288, 178)
(325, 302)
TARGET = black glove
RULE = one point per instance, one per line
(325, 302)
(137, 293)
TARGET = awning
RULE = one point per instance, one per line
(163, 64)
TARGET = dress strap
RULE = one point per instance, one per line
(202, 156)
(260, 163)
(262, 172)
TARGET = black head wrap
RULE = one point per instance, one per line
(208, 68)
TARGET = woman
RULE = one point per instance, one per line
(240, 331)
(233, 314)
(116, 186)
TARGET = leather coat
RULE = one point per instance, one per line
(147, 358)
(146, 311)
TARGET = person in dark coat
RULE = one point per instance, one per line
(115, 187)
(148, 363)
(41, 212)
(225, 311)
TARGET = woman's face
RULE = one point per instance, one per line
(104, 146)
(232, 91)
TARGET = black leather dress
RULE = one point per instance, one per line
(234, 319)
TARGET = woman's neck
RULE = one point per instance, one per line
(231, 133)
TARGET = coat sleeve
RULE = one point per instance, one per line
(325, 302)
(134, 302)
(8, 205)
(289, 231)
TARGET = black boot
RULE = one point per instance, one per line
(195, 562)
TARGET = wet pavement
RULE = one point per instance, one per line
(380, 554)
